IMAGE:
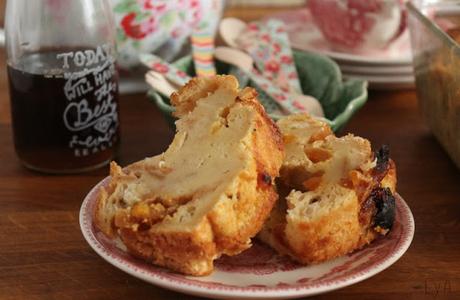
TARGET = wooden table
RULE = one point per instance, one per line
(44, 256)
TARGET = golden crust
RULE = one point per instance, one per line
(101, 219)
(186, 252)
(234, 210)
(185, 99)
(329, 236)
(329, 232)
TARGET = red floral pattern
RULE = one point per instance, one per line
(293, 76)
(277, 49)
(259, 260)
(304, 35)
(160, 68)
(268, 44)
(272, 66)
(253, 27)
(348, 24)
(141, 20)
(181, 74)
(135, 30)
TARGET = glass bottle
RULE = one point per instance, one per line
(63, 83)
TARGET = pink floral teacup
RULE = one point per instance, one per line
(359, 25)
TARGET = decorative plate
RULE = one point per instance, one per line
(304, 35)
(259, 272)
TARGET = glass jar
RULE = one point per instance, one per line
(435, 39)
(63, 83)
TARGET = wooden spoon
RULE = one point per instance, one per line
(230, 29)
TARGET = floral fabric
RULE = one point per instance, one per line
(146, 26)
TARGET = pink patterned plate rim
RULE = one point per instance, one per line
(304, 35)
(259, 272)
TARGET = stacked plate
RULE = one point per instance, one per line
(390, 68)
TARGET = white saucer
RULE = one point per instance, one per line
(304, 35)
(380, 82)
(375, 70)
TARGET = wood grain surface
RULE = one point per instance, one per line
(44, 256)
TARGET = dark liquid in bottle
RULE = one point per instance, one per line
(64, 119)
